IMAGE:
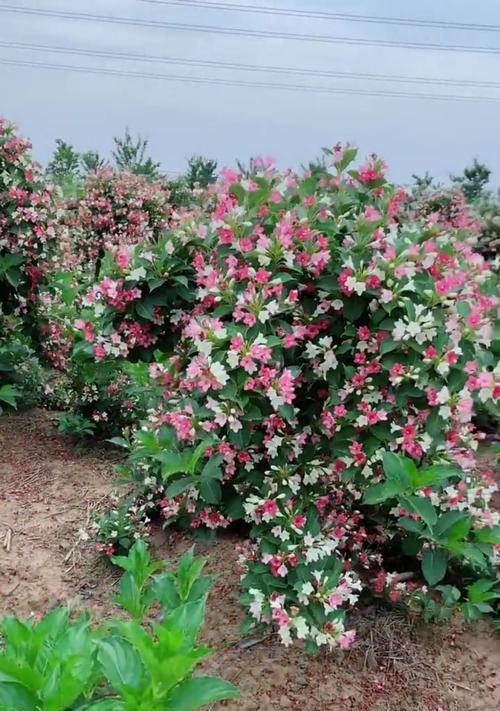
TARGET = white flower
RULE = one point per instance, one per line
(443, 395)
(301, 627)
(354, 285)
(399, 330)
(233, 358)
(219, 373)
(285, 636)
(413, 328)
(137, 274)
(311, 350)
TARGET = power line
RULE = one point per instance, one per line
(294, 71)
(241, 32)
(326, 15)
(247, 84)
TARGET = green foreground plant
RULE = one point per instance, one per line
(57, 664)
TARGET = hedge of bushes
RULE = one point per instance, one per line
(304, 352)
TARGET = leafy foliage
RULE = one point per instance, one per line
(57, 664)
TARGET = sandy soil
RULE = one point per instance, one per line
(48, 493)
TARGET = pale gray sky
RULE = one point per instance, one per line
(413, 135)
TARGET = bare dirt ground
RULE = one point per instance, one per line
(48, 493)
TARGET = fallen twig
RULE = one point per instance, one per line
(7, 541)
(251, 642)
(460, 686)
(12, 590)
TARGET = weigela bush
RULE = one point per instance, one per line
(27, 212)
(113, 211)
(328, 335)
(104, 331)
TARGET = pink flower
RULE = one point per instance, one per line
(347, 638)
(371, 214)
(269, 509)
(122, 259)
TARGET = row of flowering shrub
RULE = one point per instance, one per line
(322, 387)
(304, 352)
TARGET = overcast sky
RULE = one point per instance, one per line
(225, 122)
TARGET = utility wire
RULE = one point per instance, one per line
(326, 15)
(246, 84)
(241, 32)
(268, 69)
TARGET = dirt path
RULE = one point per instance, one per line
(48, 492)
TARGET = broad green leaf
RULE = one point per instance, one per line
(432, 476)
(188, 619)
(446, 521)
(434, 565)
(378, 493)
(19, 672)
(105, 705)
(165, 591)
(488, 535)
(200, 691)
(14, 697)
(173, 463)
(410, 525)
(210, 490)
(180, 485)
(481, 591)
(121, 664)
(9, 394)
(397, 470)
(212, 469)
(423, 507)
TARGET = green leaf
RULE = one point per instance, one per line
(424, 508)
(121, 664)
(212, 469)
(200, 691)
(388, 346)
(378, 493)
(353, 307)
(434, 565)
(488, 535)
(165, 591)
(8, 394)
(105, 705)
(14, 697)
(410, 525)
(180, 485)
(397, 470)
(432, 476)
(173, 463)
(446, 521)
(119, 442)
(188, 619)
(480, 591)
(210, 490)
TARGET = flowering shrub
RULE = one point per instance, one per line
(304, 352)
(133, 309)
(328, 333)
(26, 220)
(114, 211)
